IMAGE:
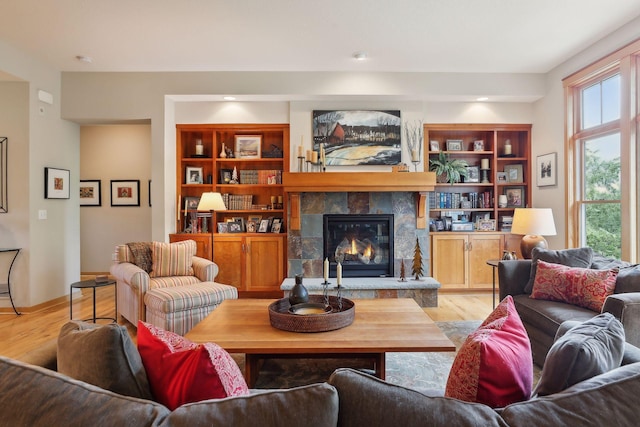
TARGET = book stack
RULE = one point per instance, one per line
(505, 223)
(237, 202)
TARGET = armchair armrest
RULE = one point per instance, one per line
(626, 308)
(132, 275)
(204, 269)
(513, 276)
(45, 355)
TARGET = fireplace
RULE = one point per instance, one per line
(363, 244)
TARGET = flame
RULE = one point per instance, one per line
(367, 252)
(353, 247)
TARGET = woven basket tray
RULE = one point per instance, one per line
(281, 318)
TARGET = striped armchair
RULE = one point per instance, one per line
(161, 273)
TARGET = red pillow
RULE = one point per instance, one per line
(494, 365)
(181, 371)
(583, 287)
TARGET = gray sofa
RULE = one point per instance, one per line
(32, 395)
(542, 318)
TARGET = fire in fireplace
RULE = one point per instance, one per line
(363, 244)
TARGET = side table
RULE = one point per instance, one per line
(493, 263)
(92, 284)
(8, 291)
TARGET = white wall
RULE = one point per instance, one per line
(113, 152)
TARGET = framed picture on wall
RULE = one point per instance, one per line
(547, 170)
(56, 183)
(90, 192)
(125, 192)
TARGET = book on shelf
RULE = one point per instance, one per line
(449, 200)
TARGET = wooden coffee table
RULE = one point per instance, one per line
(380, 326)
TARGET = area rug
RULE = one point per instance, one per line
(419, 371)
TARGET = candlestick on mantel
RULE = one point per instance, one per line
(314, 157)
(300, 150)
(339, 274)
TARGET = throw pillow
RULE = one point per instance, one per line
(181, 371)
(583, 287)
(141, 255)
(578, 257)
(173, 259)
(494, 365)
(591, 348)
(102, 355)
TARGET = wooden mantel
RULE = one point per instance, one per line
(338, 182)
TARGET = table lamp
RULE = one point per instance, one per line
(533, 223)
(211, 202)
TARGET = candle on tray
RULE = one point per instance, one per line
(326, 270)
(484, 164)
(314, 157)
(339, 274)
(414, 155)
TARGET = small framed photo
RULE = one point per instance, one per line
(276, 227)
(473, 174)
(240, 221)
(234, 227)
(225, 176)
(255, 218)
(264, 226)
(222, 227)
(434, 145)
(486, 225)
(56, 183)
(90, 192)
(191, 204)
(514, 173)
(547, 170)
(454, 145)
(193, 175)
(125, 192)
(515, 197)
(478, 145)
(248, 146)
(252, 226)
(501, 177)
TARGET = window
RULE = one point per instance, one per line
(601, 146)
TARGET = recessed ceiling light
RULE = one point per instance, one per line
(360, 56)
(84, 58)
(229, 98)
(482, 98)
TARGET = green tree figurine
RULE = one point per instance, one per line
(417, 262)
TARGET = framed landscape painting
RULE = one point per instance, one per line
(358, 137)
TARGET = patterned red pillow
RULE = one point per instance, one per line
(583, 287)
(180, 371)
(494, 365)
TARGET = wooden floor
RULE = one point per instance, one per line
(20, 334)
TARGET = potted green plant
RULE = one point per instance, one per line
(448, 169)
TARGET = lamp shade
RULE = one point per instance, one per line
(211, 202)
(533, 221)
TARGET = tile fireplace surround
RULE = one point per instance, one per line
(305, 245)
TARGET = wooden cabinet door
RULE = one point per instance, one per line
(203, 242)
(483, 247)
(264, 263)
(228, 253)
(449, 260)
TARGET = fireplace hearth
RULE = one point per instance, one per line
(362, 243)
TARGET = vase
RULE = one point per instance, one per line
(299, 293)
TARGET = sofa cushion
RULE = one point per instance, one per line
(173, 259)
(586, 350)
(311, 405)
(577, 257)
(494, 364)
(141, 255)
(583, 287)
(366, 401)
(34, 396)
(102, 355)
(181, 371)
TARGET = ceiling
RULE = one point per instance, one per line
(503, 36)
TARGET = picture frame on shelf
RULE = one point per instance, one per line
(515, 197)
(501, 177)
(248, 146)
(193, 175)
(547, 170)
(264, 226)
(473, 174)
(234, 227)
(478, 145)
(514, 173)
(56, 183)
(255, 218)
(239, 220)
(486, 225)
(225, 176)
(252, 226)
(90, 192)
(454, 145)
(222, 227)
(125, 192)
(434, 146)
(276, 227)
